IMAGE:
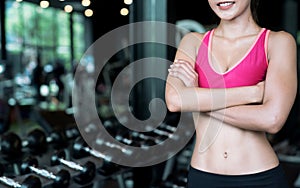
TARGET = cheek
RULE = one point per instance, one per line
(212, 6)
(211, 3)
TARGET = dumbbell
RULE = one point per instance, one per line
(38, 139)
(35, 141)
(136, 139)
(128, 137)
(87, 171)
(29, 182)
(145, 140)
(80, 149)
(162, 134)
(167, 127)
(61, 179)
(11, 144)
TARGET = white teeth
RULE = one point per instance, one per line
(225, 4)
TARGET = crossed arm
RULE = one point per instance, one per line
(263, 107)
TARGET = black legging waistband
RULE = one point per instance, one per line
(273, 178)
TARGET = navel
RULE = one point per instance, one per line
(225, 155)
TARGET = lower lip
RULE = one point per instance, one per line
(226, 7)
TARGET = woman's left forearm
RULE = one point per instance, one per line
(266, 117)
(250, 117)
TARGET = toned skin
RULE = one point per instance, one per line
(231, 123)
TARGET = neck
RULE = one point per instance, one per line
(237, 27)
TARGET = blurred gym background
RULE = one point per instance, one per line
(42, 45)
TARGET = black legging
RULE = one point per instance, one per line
(273, 178)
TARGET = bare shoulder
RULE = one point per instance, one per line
(188, 46)
(278, 40)
(193, 38)
(282, 48)
(195, 35)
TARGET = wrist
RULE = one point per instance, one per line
(256, 96)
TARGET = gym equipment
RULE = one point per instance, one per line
(10, 145)
(29, 182)
(80, 150)
(61, 179)
(36, 141)
(87, 171)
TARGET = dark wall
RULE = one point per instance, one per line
(270, 12)
(191, 9)
(106, 14)
(107, 17)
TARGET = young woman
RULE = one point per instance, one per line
(240, 82)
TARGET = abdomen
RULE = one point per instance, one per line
(225, 149)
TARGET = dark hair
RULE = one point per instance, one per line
(254, 10)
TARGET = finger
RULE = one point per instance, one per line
(183, 77)
(180, 69)
(182, 61)
(187, 64)
(181, 74)
(187, 81)
(186, 68)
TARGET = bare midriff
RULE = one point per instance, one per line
(224, 149)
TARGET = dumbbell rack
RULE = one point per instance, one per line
(13, 170)
(119, 176)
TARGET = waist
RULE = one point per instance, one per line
(222, 148)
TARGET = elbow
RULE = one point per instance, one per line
(275, 123)
(173, 102)
(173, 108)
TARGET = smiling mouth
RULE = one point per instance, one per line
(225, 3)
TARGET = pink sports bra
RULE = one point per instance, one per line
(250, 70)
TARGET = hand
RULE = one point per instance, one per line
(260, 91)
(184, 71)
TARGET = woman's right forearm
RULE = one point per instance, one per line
(195, 99)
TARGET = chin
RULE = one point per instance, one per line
(226, 17)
